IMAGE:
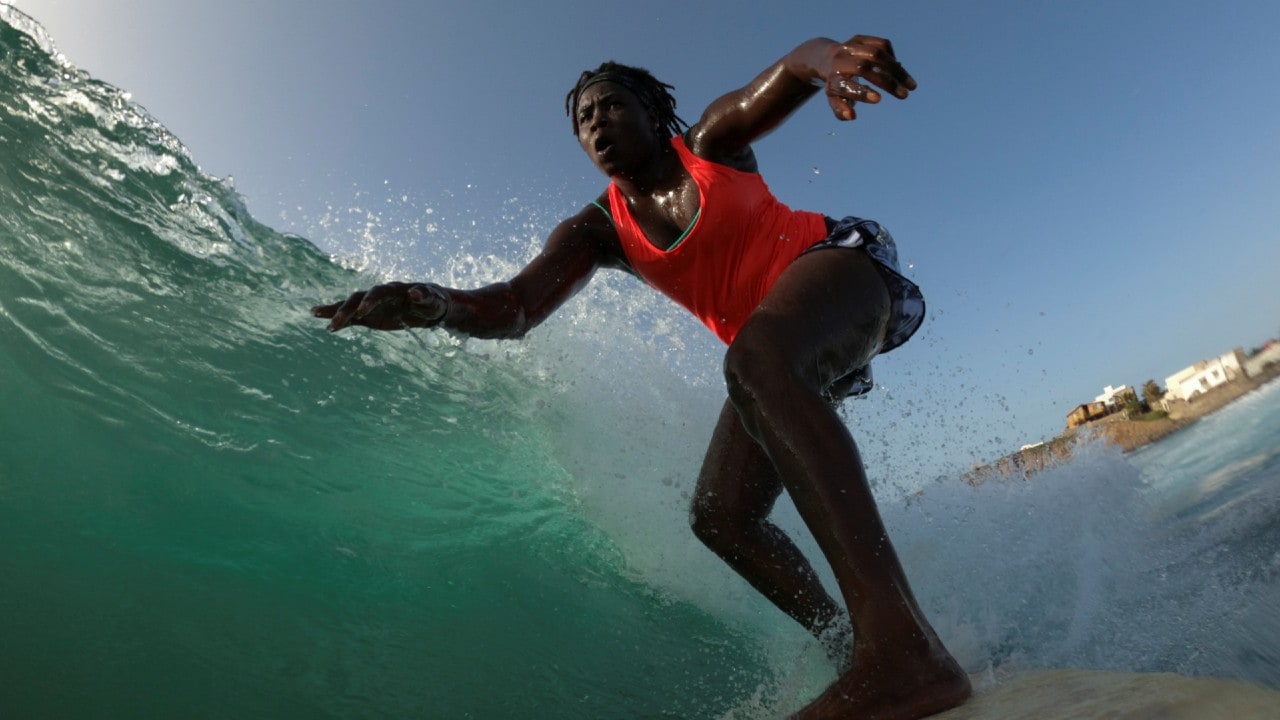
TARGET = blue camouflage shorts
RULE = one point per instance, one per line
(906, 311)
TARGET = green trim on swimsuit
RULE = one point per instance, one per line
(606, 212)
(679, 240)
(687, 230)
(632, 271)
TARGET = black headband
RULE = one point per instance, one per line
(607, 76)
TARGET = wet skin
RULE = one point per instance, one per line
(825, 316)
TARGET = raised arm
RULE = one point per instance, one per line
(737, 119)
(574, 251)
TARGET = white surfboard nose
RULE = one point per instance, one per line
(1089, 694)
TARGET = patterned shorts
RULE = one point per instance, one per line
(906, 311)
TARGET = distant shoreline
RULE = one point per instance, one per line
(1129, 434)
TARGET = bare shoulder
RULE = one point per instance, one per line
(590, 231)
(707, 145)
(732, 122)
(575, 249)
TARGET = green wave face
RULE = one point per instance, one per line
(209, 507)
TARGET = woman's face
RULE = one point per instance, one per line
(614, 129)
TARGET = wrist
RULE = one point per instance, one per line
(446, 301)
(421, 296)
(812, 61)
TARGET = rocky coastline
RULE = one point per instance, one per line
(1126, 432)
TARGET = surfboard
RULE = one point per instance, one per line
(1096, 694)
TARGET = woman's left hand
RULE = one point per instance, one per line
(871, 59)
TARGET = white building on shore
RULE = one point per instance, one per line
(1112, 397)
(1205, 375)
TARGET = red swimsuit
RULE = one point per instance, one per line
(740, 243)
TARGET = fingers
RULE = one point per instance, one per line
(843, 92)
(324, 311)
(391, 306)
(842, 107)
(871, 59)
(366, 307)
(340, 314)
(876, 56)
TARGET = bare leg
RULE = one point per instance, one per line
(736, 492)
(825, 316)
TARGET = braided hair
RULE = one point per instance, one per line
(654, 94)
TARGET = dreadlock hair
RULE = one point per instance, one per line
(654, 94)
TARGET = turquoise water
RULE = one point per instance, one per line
(210, 508)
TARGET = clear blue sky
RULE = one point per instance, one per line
(1088, 192)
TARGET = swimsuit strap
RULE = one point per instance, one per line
(603, 210)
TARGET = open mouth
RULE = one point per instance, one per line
(603, 145)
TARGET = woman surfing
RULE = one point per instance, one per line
(803, 302)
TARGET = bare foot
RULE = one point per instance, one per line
(892, 689)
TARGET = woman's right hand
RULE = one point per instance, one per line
(392, 306)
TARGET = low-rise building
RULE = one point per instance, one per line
(1256, 364)
(1114, 398)
(1204, 376)
(1082, 414)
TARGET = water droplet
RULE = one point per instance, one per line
(816, 171)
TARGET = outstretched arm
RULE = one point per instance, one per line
(574, 250)
(732, 122)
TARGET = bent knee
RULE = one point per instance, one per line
(715, 530)
(702, 524)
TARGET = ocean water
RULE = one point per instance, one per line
(211, 508)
